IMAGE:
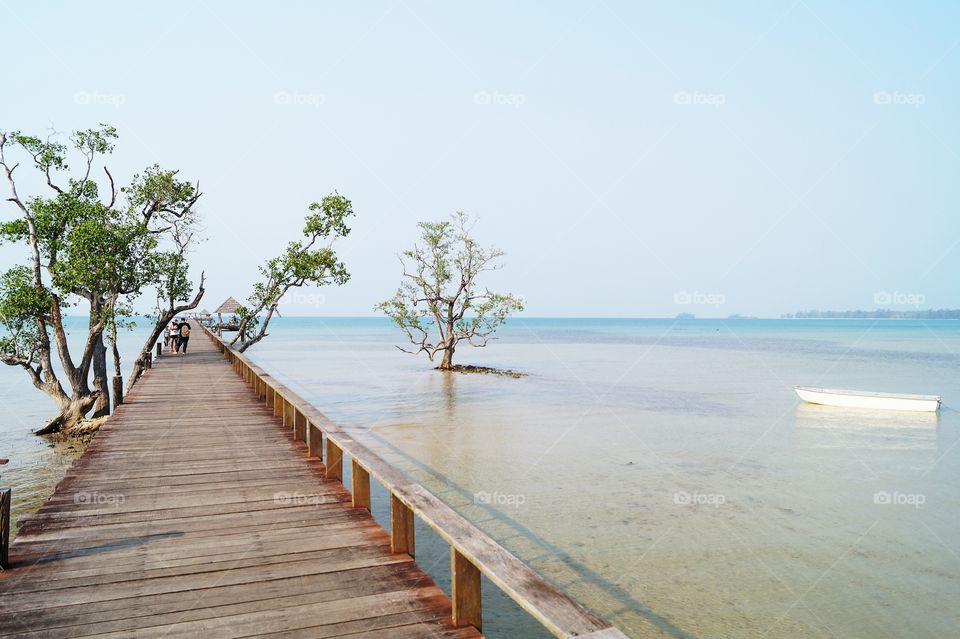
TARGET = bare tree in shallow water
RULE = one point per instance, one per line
(440, 293)
(84, 248)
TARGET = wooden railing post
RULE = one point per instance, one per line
(277, 404)
(334, 461)
(314, 441)
(401, 527)
(117, 391)
(299, 426)
(159, 349)
(271, 397)
(465, 586)
(5, 505)
(360, 486)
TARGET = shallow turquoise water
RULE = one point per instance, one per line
(662, 472)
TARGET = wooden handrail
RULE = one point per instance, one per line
(472, 552)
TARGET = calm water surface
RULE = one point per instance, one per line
(661, 472)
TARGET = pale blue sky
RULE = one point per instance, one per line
(761, 157)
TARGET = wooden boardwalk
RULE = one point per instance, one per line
(194, 513)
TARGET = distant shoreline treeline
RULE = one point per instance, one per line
(882, 313)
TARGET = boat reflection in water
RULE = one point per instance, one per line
(825, 427)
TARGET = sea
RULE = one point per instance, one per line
(662, 472)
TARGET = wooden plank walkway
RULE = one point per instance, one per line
(194, 513)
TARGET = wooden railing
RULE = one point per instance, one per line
(5, 506)
(472, 552)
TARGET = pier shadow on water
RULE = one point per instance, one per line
(517, 624)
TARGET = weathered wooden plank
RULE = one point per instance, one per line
(168, 552)
(215, 524)
(347, 552)
(317, 615)
(335, 584)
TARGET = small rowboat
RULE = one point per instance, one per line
(867, 399)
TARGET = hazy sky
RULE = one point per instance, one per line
(748, 157)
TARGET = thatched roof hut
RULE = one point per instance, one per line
(230, 306)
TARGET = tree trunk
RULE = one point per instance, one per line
(159, 329)
(101, 381)
(71, 412)
(447, 362)
(139, 364)
(117, 374)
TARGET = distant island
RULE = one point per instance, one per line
(882, 313)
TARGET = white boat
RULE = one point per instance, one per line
(867, 399)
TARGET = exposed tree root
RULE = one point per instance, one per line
(483, 370)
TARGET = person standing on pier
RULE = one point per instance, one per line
(173, 334)
(184, 337)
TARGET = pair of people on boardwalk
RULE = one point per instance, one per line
(178, 336)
